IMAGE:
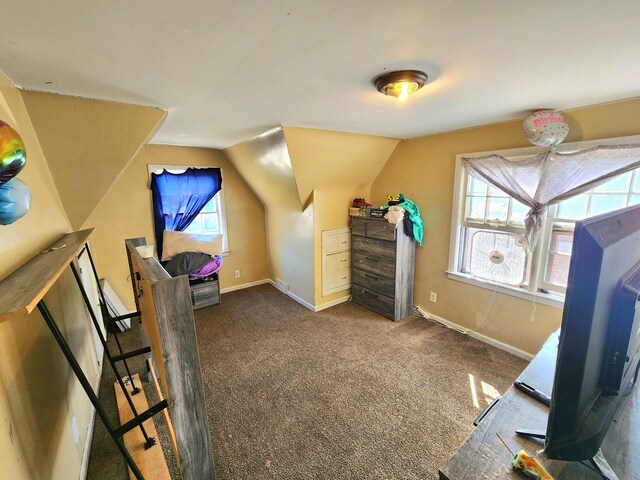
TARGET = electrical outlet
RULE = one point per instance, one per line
(433, 297)
(237, 273)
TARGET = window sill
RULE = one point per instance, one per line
(549, 299)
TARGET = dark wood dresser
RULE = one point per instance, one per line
(383, 260)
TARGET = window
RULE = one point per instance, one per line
(209, 220)
(212, 218)
(488, 245)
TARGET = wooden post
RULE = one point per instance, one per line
(167, 317)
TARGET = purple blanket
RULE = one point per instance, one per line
(209, 269)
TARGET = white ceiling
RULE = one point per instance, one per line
(229, 70)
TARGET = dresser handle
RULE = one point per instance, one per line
(343, 260)
(343, 243)
(370, 294)
(343, 278)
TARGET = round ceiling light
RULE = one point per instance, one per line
(401, 83)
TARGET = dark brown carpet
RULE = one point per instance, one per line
(340, 394)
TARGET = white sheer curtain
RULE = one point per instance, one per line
(550, 177)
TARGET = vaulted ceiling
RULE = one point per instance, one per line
(228, 70)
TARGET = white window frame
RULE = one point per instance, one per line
(219, 198)
(538, 258)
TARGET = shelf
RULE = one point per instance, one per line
(21, 291)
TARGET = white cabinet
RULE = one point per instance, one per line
(336, 261)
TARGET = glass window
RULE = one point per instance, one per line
(211, 219)
(208, 220)
(490, 240)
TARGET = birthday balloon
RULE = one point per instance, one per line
(545, 128)
(15, 200)
(13, 155)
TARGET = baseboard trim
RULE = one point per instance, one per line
(295, 297)
(301, 301)
(245, 285)
(333, 303)
(84, 466)
(479, 336)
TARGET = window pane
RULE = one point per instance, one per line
(195, 226)
(210, 206)
(500, 257)
(562, 238)
(476, 187)
(496, 192)
(603, 203)
(634, 200)
(636, 182)
(210, 223)
(557, 271)
(475, 208)
(574, 208)
(498, 210)
(518, 213)
(617, 184)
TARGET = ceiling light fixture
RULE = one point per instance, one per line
(401, 83)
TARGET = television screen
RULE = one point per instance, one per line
(598, 350)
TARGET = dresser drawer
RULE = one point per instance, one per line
(377, 264)
(372, 228)
(377, 283)
(337, 242)
(373, 301)
(339, 278)
(205, 294)
(338, 261)
(383, 248)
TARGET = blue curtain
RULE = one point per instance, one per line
(179, 197)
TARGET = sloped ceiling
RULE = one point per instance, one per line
(87, 144)
(285, 165)
(265, 165)
(323, 158)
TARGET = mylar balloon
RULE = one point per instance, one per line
(13, 155)
(545, 128)
(15, 200)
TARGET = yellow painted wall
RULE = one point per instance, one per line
(265, 164)
(337, 167)
(423, 169)
(126, 211)
(38, 394)
(87, 144)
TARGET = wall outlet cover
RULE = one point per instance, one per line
(433, 297)
(283, 287)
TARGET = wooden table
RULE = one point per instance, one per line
(482, 456)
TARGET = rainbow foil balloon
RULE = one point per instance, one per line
(13, 155)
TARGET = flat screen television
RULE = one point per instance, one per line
(598, 352)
